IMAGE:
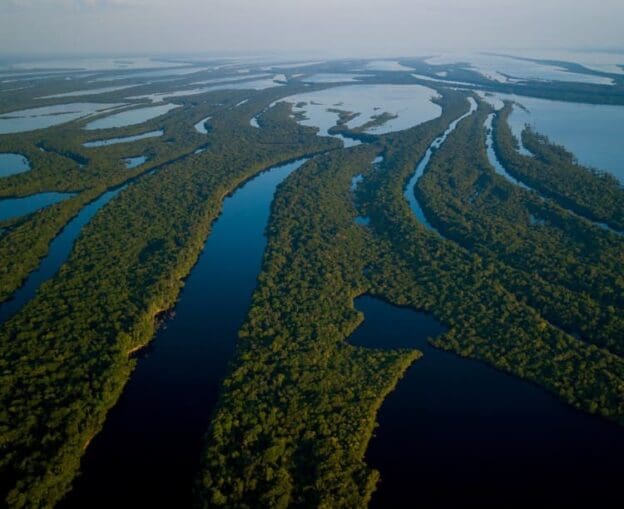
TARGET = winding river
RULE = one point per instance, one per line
(58, 252)
(149, 450)
(410, 189)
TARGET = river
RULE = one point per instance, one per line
(457, 433)
(148, 452)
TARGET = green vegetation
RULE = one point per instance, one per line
(297, 410)
(344, 117)
(64, 358)
(520, 282)
(299, 406)
(376, 121)
(554, 172)
(566, 268)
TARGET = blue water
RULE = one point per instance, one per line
(496, 164)
(125, 139)
(58, 253)
(48, 116)
(16, 207)
(200, 127)
(148, 452)
(134, 162)
(591, 132)
(355, 181)
(500, 169)
(130, 117)
(458, 433)
(409, 193)
(12, 164)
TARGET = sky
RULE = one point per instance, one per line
(315, 27)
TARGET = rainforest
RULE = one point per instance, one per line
(347, 283)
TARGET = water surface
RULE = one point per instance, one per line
(411, 104)
(511, 70)
(458, 433)
(130, 117)
(12, 164)
(16, 207)
(125, 139)
(134, 162)
(58, 252)
(200, 127)
(149, 450)
(48, 116)
(410, 189)
(592, 132)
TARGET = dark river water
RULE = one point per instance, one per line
(148, 452)
(454, 432)
(58, 251)
(457, 433)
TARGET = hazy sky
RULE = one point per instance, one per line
(340, 27)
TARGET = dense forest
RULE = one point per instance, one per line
(564, 266)
(555, 173)
(522, 279)
(292, 361)
(64, 357)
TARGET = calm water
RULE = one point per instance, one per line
(93, 91)
(48, 116)
(457, 433)
(409, 192)
(58, 253)
(508, 69)
(593, 133)
(126, 139)
(329, 77)
(134, 162)
(261, 84)
(16, 207)
(12, 164)
(496, 164)
(411, 103)
(148, 451)
(500, 169)
(130, 117)
(387, 65)
(200, 127)
(154, 74)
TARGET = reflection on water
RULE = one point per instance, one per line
(410, 189)
(508, 69)
(458, 433)
(93, 91)
(593, 133)
(125, 139)
(200, 127)
(411, 104)
(16, 207)
(130, 117)
(500, 169)
(387, 65)
(134, 162)
(244, 85)
(12, 164)
(149, 449)
(334, 78)
(48, 116)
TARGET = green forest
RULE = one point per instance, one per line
(524, 280)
